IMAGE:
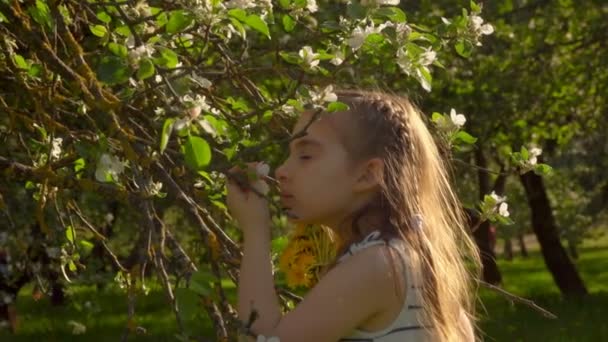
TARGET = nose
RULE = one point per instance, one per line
(280, 173)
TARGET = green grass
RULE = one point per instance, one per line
(578, 320)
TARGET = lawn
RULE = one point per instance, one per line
(578, 320)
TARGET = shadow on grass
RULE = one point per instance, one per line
(580, 319)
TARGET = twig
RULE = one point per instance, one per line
(518, 299)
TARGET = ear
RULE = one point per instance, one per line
(370, 176)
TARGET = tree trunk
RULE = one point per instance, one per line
(572, 249)
(508, 252)
(562, 269)
(522, 245)
(490, 272)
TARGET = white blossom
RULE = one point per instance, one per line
(287, 109)
(143, 9)
(197, 101)
(145, 50)
(310, 58)
(479, 27)
(424, 82)
(109, 218)
(7, 299)
(497, 198)
(338, 57)
(243, 4)
(359, 34)
(207, 127)
(428, 57)
(201, 81)
(404, 61)
(311, 6)
(154, 188)
(457, 119)
(503, 209)
(534, 153)
(77, 327)
(180, 124)
(326, 95)
(262, 169)
(403, 30)
(56, 148)
(380, 2)
(108, 165)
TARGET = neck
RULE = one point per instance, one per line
(344, 230)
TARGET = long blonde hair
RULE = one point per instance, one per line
(416, 182)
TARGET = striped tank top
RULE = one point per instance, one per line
(408, 326)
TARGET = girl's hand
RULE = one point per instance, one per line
(250, 210)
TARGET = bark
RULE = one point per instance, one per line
(522, 245)
(508, 251)
(562, 269)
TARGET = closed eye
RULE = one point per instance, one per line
(305, 157)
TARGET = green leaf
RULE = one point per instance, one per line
(146, 69)
(35, 70)
(288, 23)
(168, 59)
(238, 14)
(356, 11)
(41, 13)
(285, 4)
(290, 57)
(525, 155)
(86, 246)
(543, 169)
(436, 117)
(98, 30)
(70, 234)
(200, 282)
(187, 302)
(104, 17)
(465, 137)
(113, 70)
(255, 22)
(118, 50)
(197, 153)
(475, 8)
(72, 266)
(178, 21)
(79, 164)
(464, 48)
(395, 14)
(166, 134)
(20, 61)
(337, 107)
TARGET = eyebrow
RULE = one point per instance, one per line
(303, 142)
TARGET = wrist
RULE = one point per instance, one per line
(257, 231)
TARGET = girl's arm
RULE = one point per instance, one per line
(346, 296)
(256, 282)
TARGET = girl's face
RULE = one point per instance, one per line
(318, 182)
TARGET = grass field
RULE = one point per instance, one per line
(578, 320)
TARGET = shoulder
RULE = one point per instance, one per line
(353, 292)
(380, 268)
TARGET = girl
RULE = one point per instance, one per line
(374, 175)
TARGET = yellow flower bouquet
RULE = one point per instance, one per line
(310, 248)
